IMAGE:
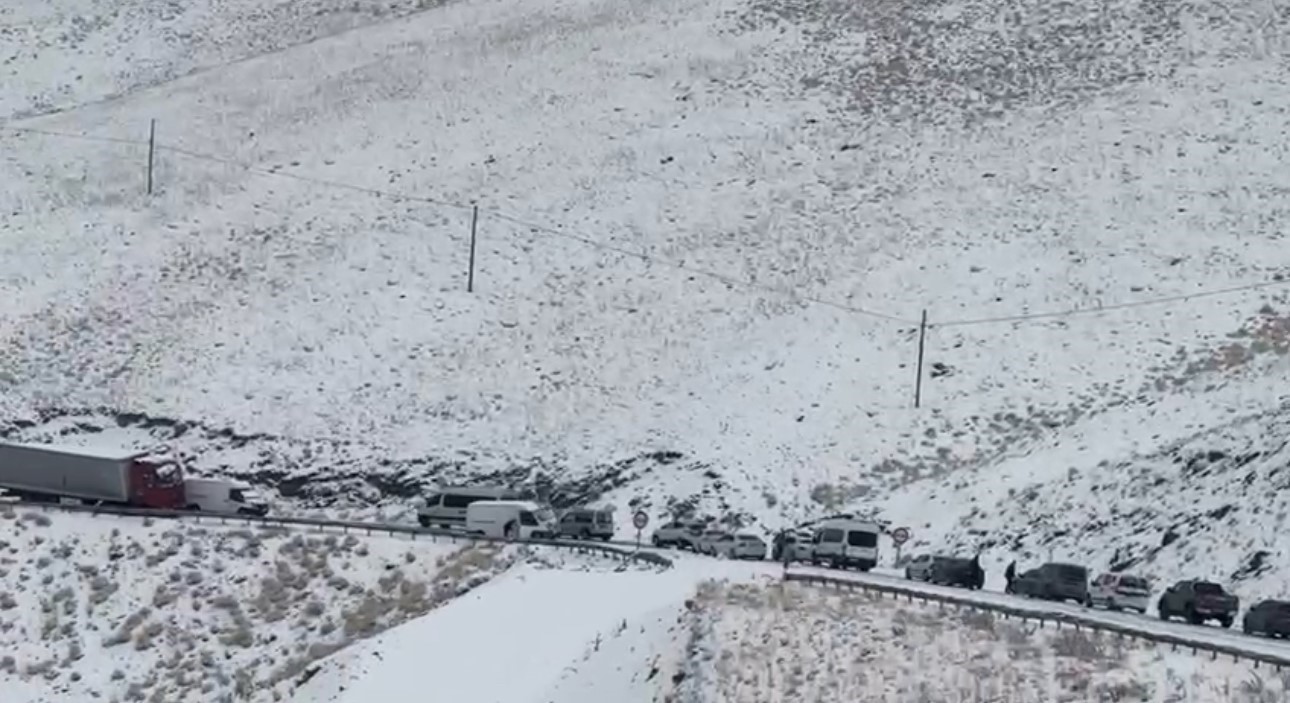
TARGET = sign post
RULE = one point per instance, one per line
(899, 536)
(639, 521)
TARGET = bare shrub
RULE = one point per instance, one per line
(101, 588)
(126, 629)
(1079, 645)
(144, 636)
(7, 601)
(37, 519)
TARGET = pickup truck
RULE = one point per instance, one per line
(1198, 601)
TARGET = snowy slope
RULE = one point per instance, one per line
(1001, 159)
(98, 608)
(539, 625)
(789, 643)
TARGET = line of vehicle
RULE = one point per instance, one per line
(1209, 639)
(613, 550)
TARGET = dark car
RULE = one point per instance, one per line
(1269, 617)
(1054, 581)
(943, 570)
(1198, 601)
(583, 523)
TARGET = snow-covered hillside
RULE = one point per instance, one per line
(713, 631)
(707, 233)
(789, 643)
(106, 609)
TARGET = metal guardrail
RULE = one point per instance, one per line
(414, 532)
(1196, 644)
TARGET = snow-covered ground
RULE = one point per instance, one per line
(786, 642)
(689, 214)
(129, 610)
(550, 630)
(718, 632)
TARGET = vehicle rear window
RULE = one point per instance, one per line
(1279, 606)
(1208, 589)
(1070, 572)
(857, 538)
(1134, 582)
(831, 535)
(748, 538)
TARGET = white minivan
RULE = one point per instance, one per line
(447, 507)
(510, 519)
(218, 495)
(846, 543)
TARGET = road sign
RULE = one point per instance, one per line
(900, 535)
(640, 519)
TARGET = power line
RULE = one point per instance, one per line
(729, 280)
(542, 229)
(1111, 308)
(723, 278)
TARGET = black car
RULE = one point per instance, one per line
(1198, 601)
(1269, 617)
(1054, 581)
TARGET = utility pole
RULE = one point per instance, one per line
(152, 150)
(474, 225)
(918, 381)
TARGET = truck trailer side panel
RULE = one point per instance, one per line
(43, 470)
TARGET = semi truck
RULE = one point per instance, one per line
(140, 479)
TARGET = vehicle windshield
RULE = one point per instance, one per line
(1280, 607)
(1070, 572)
(1208, 589)
(527, 518)
(1134, 582)
(749, 538)
(167, 474)
(831, 535)
(858, 538)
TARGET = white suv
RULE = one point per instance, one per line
(682, 535)
(1119, 591)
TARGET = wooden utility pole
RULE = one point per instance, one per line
(474, 225)
(918, 381)
(152, 150)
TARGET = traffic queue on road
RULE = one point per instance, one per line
(847, 541)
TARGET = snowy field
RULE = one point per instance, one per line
(790, 643)
(127, 610)
(689, 214)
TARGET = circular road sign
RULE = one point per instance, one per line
(640, 519)
(900, 535)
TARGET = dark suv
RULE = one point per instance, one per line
(1270, 618)
(1198, 601)
(1054, 581)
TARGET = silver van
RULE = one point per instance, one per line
(846, 543)
(447, 507)
(584, 523)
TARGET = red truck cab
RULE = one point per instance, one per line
(157, 482)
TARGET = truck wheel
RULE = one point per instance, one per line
(1193, 618)
(1225, 622)
(194, 508)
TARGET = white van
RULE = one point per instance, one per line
(218, 495)
(510, 519)
(846, 543)
(447, 507)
